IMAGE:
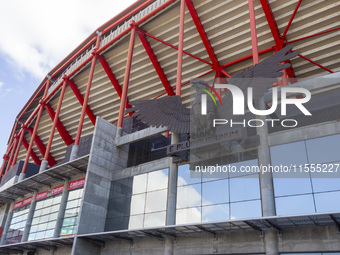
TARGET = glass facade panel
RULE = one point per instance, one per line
(215, 199)
(44, 219)
(245, 210)
(293, 205)
(310, 191)
(18, 222)
(71, 212)
(138, 201)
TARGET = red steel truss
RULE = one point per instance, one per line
(17, 137)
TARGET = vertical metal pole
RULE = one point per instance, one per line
(75, 148)
(126, 80)
(44, 163)
(23, 171)
(23, 128)
(180, 49)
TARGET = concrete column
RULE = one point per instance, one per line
(29, 219)
(168, 246)
(43, 166)
(266, 184)
(21, 177)
(7, 224)
(74, 152)
(172, 195)
(61, 212)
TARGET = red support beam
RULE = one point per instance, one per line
(60, 126)
(34, 156)
(272, 23)
(112, 78)
(180, 48)
(34, 133)
(313, 62)
(203, 35)
(11, 157)
(42, 148)
(127, 76)
(291, 19)
(176, 48)
(309, 36)
(253, 32)
(80, 98)
(22, 133)
(47, 154)
(279, 41)
(156, 64)
(247, 57)
(87, 93)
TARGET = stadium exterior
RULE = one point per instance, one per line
(80, 176)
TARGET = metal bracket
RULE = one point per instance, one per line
(253, 226)
(208, 231)
(129, 240)
(159, 237)
(277, 229)
(173, 237)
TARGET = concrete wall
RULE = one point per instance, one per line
(105, 158)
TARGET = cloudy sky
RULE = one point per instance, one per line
(34, 37)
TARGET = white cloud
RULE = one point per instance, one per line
(1, 84)
(36, 35)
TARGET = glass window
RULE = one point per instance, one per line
(184, 177)
(44, 220)
(324, 149)
(72, 212)
(213, 198)
(327, 202)
(244, 210)
(189, 196)
(215, 192)
(287, 154)
(294, 205)
(147, 205)
(17, 226)
(297, 186)
(244, 188)
(215, 213)
(188, 215)
(156, 201)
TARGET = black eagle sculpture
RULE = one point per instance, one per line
(170, 112)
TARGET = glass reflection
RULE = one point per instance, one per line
(327, 202)
(138, 201)
(324, 149)
(244, 210)
(188, 215)
(293, 205)
(17, 225)
(215, 213)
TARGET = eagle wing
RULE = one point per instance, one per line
(163, 112)
(260, 77)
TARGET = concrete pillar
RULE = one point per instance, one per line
(172, 187)
(43, 166)
(7, 224)
(266, 184)
(168, 246)
(21, 177)
(172, 195)
(29, 219)
(61, 212)
(74, 152)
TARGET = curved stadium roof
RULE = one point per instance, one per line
(217, 39)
